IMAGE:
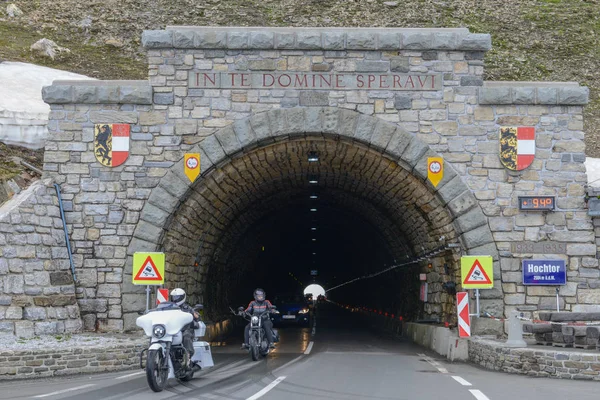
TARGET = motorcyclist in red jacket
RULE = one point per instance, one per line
(259, 305)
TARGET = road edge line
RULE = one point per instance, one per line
(64, 391)
(309, 348)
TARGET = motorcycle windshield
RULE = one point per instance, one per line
(173, 320)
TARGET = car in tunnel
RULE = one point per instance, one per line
(292, 309)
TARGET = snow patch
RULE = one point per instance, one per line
(23, 113)
(592, 166)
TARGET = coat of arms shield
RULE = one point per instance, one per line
(111, 143)
(517, 147)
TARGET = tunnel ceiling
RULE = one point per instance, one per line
(270, 187)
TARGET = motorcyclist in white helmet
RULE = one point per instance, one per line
(178, 297)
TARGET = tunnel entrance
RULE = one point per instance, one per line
(273, 214)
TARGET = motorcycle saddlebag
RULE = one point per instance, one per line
(202, 354)
(201, 331)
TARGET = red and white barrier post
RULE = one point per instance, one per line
(464, 319)
(162, 295)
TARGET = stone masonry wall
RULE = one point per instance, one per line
(37, 294)
(460, 121)
(79, 354)
(540, 362)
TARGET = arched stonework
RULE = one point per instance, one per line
(276, 127)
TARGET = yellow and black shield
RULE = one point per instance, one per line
(103, 143)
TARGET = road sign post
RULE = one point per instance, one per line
(477, 272)
(148, 269)
(464, 318)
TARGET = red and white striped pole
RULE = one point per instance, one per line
(162, 295)
(464, 319)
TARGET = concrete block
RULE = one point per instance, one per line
(308, 40)
(156, 39)
(261, 40)
(361, 40)
(183, 39)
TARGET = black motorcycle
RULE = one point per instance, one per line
(259, 346)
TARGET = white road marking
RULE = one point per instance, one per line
(267, 389)
(461, 381)
(64, 391)
(478, 395)
(435, 364)
(288, 364)
(130, 375)
(309, 348)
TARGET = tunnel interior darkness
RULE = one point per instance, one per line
(272, 214)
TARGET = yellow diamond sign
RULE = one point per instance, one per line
(148, 268)
(477, 272)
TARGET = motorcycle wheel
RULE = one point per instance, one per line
(188, 376)
(254, 348)
(156, 376)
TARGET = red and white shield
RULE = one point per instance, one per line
(111, 143)
(517, 147)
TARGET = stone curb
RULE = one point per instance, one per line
(535, 361)
(98, 92)
(43, 363)
(550, 94)
(184, 37)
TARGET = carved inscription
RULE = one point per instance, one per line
(538, 247)
(299, 80)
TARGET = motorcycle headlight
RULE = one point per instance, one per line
(254, 320)
(159, 331)
(303, 311)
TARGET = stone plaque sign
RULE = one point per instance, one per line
(325, 81)
(538, 247)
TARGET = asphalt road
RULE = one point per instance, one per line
(343, 360)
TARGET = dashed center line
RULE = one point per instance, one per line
(478, 395)
(461, 381)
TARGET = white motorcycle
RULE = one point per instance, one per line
(167, 358)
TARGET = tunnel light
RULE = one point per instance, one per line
(313, 229)
(314, 254)
(313, 209)
(314, 240)
(314, 196)
(313, 181)
(313, 156)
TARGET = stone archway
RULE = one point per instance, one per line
(323, 124)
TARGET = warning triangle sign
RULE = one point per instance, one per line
(477, 275)
(148, 272)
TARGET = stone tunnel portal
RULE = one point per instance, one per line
(274, 213)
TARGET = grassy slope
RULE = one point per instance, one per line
(553, 40)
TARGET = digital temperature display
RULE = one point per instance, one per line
(536, 203)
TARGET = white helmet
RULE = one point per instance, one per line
(178, 296)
